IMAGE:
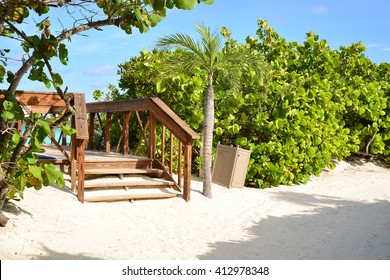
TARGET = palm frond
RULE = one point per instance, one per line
(182, 41)
(183, 62)
(211, 43)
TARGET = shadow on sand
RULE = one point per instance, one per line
(54, 255)
(336, 229)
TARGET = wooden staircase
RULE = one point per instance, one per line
(106, 176)
(128, 179)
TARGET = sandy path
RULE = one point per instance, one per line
(343, 214)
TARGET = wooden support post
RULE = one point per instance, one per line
(187, 172)
(107, 134)
(179, 166)
(152, 136)
(163, 145)
(80, 145)
(126, 127)
(72, 171)
(19, 126)
(171, 154)
(91, 130)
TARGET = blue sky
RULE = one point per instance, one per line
(93, 59)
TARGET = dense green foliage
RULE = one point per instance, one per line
(40, 46)
(316, 106)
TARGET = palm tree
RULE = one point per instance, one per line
(207, 54)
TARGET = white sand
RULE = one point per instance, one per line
(343, 214)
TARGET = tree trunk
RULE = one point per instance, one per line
(208, 128)
(3, 192)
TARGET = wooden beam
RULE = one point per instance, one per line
(107, 134)
(118, 106)
(152, 136)
(81, 117)
(163, 145)
(73, 161)
(172, 121)
(34, 98)
(171, 154)
(187, 172)
(80, 146)
(91, 130)
(179, 166)
(126, 128)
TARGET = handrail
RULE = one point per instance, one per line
(52, 103)
(164, 114)
(158, 112)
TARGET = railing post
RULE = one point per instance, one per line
(152, 136)
(179, 165)
(171, 154)
(126, 127)
(163, 145)
(107, 134)
(91, 129)
(80, 147)
(187, 171)
(73, 156)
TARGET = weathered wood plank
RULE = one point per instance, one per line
(118, 106)
(81, 116)
(135, 181)
(117, 195)
(152, 136)
(107, 133)
(125, 133)
(91, 130)
(172, 121)
(80, 154)
(35, 98)
(187, 172)
(166, 175)
(129, 164)
(112, 171)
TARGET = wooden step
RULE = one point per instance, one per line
(126, 181)
(130, 194)
(126, 163)
(112, 171)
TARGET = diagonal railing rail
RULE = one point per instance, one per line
(138, 121)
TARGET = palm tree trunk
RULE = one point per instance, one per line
(208, 128)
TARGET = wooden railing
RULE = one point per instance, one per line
(52, 104)
(148, 114)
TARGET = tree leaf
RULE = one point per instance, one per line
(63, 54)
(67, 130)
(36, 171)
(185, 4)
(45, 125)
(57, 80)
(15, 138)
(7, 115)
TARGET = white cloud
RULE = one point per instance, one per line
(319, 10)
(373, 46)
(102, 71)
(386, 49)
(100, 85)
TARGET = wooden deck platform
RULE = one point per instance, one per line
(90, 155)
(115, 177)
